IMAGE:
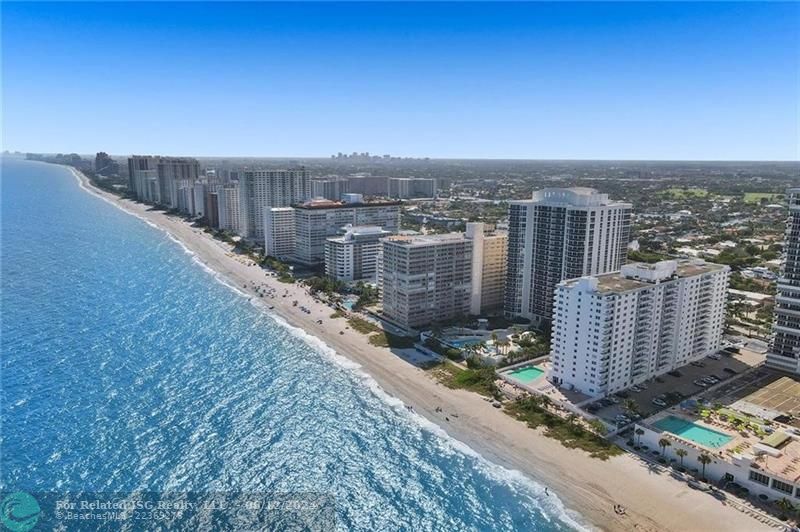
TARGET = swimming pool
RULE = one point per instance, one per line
(462, 342)
(526, 375)
(693, 432)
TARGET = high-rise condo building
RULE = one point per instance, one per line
(331, 188)
(489, 260)
(279, 232)
(614, 330)
(411, 187)
(370, 186)
(425, 279)
(784, 349)
(262, 189)
(156, 179)
(317, 220)
(212, 208)
(560, 234)
(353, 256)
(230, 212)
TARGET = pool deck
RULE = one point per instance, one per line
(675, 412)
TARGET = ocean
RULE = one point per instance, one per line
(128, 367)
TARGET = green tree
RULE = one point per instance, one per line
(704, 459)
(664, 443)
(681, 454)
(639, 432)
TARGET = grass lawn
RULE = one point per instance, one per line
(337, 314)
(363, 326)
(385, 339)
(571, 434)
(756, 197)
(475, 380)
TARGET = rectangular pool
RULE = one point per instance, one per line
(693, 432)
(526, 375)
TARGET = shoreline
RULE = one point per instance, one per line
(588, 486)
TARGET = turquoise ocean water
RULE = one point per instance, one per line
(127, 366)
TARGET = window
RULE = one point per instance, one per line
(760, 478)
(782, 486)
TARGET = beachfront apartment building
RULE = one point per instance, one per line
(784, 349)
(353, 256)
(331, 188)
(229, 208)
(560, 234)
(615, 330)
(261, 189)
(155, 179)
(425, 278)
(212, 208)
(489, 261)
(411, 187)
(319, 219)
(279, 232)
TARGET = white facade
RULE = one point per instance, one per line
(784, 350)
(262, 189)
(354, 255)
(560, 234)
(615, 330)
(489, 259)
(425, 279)
(330, 188)
(279, 232)
(318, 220)
(156, 179)
(228, 206)
(412, 187)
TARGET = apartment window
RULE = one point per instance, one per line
(782, 486)
(755, 476)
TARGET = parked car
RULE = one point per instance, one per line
(658, 402)
(700, 383)
(675, 374)
(642, 386)
(715, 356)
(635, 389)
(697, 364)
(729, 370)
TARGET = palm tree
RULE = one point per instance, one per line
(785, 505)
(639, 432)
(705, 460)
(664, 443)
(681, 453)
(631, 406)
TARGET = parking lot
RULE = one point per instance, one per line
(675, 386)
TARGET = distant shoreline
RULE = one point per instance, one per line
(589, 486)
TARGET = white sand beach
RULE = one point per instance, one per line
(654, 501)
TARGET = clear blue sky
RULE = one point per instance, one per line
(565, 80)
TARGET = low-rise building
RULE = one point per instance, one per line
(353, 256)
(425, 278)
(615, 330)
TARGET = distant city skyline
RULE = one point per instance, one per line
(565, 81)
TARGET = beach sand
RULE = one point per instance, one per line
(653, 500)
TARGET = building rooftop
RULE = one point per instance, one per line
(575, 197)
(320, 203)
(426, 240)
(640, 275)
